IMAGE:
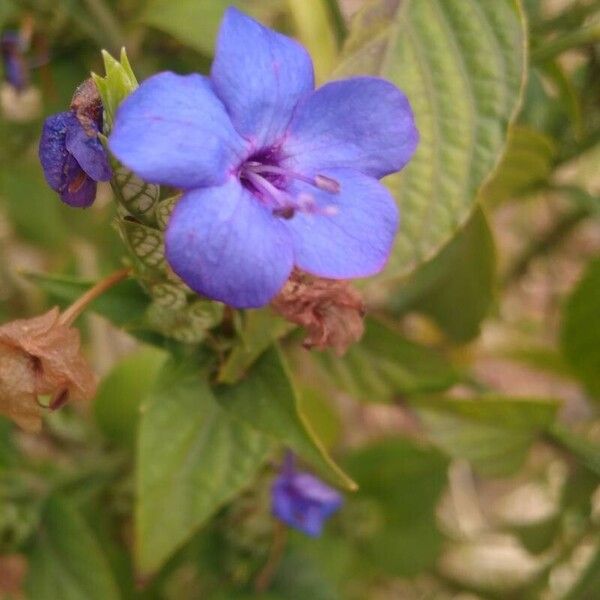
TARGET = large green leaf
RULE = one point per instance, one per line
(456, 288)
(580, 336)
(461, 64)
(195, 22)
(192, 458)
(266, 399)
(117, 402)
(67, 561)
(385, 364)
(493, 433)
(401, 483)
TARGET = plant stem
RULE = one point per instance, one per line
(69, 316)
(265, 577)
(574, 39)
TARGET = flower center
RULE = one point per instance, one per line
(263, 176)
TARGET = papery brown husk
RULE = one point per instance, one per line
(40, 356)
(332, 311)
(13, 568)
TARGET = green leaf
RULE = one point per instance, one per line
(66, 561)
(315, 29)
(385, 364)
(493, 433)
(258, 330)
(267, 400)
(457, 287)
(118, 82)
(192, 458)
(117, 402)
(580, 333)
(526, 163)
(194, 22)
(402, 482)
(461, 64)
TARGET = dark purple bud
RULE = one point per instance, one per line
(73, 159)
(303, 501)
(16, 71)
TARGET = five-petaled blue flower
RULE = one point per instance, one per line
(275, 173)
(302, 500)
(73, 159)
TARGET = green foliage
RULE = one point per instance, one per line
(494, 434)
(461, 64)
(120, 395)
(457, 287)
(162, 489)
(192, 458)
(580, 337)
(66, 561)
(266, 399)
(400, 482)
(384, 364)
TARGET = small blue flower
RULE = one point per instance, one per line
(16, 71)
(302, 500)
(73, 159)
(275, 173)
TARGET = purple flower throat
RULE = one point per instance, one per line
(264, 176)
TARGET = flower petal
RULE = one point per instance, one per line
(225, 245)
(363, 123)
(355, 240)
(78, 189)
(260, 75)
(52, 149)
(88, 151)
(174, 130)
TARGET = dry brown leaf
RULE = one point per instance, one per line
(13, 568)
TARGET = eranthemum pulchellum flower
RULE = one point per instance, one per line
(303, 501)
(275, 174)
(72, 157)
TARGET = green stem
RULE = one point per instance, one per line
(573, 39)
(587, 453)
(547, 242)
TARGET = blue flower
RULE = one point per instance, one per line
(302, 500)
(73, 158)
(275, 174)
(16, 71)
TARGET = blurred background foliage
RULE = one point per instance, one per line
(468, 414)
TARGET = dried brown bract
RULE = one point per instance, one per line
(331, 311)
(87, 106)
(39, 356)
(13, 568)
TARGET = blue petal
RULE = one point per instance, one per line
(260, 75)
(78, 189)
(225, 245)
(355, 240)
(52, 149)
(88, 151)
(174, 130)
(364, 123)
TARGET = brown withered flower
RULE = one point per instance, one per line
(332, 311)
(41, 356)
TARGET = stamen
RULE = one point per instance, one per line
(327, 184)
